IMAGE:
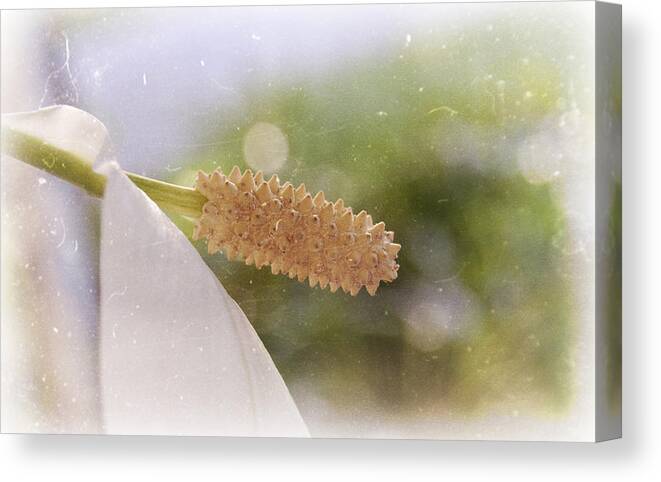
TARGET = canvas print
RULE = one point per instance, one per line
(372, 221)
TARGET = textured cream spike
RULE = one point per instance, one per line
(377, 229)
(315, 221)
(323, 281)
(235, 175)
(319, 199)
(305, 205)
(368, 222)
(203, 177)
(359, 222)
(213, 246)
(287, 193)
(229, 189)
(230, 252)
(302, 273)
(297, 235)
(327, 213)
(346, 284)
(286, 264)
(263, 193)
(335, 272)
(300, 192)
(259, 258)
(373, 260)
(354, 258)
(247, 182)
(244, 252)
(275, 267)
(364, 238)
(393, 248)
(210, 209)
(202, 181)
(345, 221)
(274, 184)
(217, 180)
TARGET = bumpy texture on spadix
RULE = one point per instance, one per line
(305, 237)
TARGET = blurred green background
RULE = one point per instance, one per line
(427, 137)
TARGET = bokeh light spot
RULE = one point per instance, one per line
(265, 147)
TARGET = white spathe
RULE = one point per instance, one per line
(178, 356)
(50, 373)
(62, 126)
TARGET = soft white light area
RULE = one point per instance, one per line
(435, 318)
(265, 147)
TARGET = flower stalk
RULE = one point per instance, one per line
(79, 172)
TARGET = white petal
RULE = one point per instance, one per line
(178, 356)
(49, 280)
(64, 127)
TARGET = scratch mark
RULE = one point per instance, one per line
(65, 67)
(117, 293)
(454, 276)
(444, 108)
(223, 87)
(64, 234)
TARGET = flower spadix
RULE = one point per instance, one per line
(303, 236)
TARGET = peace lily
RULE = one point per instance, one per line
(177, 354)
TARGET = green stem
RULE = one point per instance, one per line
(71, 168)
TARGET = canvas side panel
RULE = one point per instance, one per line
(608, 139)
